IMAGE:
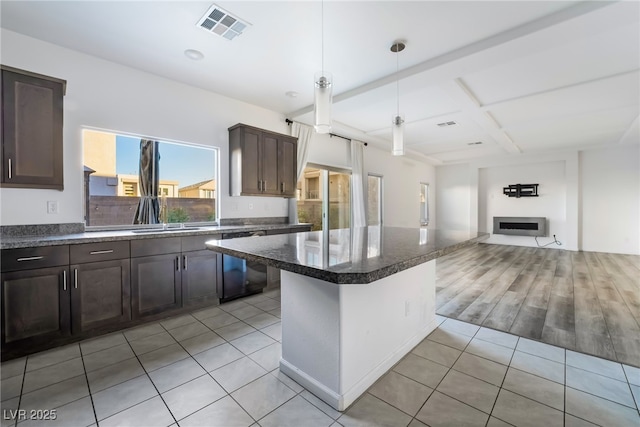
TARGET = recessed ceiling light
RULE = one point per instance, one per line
(196, 55)
(292, 94)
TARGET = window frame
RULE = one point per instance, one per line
(216, 177)
(380, 197)
(424, 212)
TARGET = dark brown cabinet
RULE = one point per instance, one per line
(32, 121)
(35, 296)
(100, 285)
(156, 277)
(200, 273)
(261, 163)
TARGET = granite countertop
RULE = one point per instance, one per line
(30, 241)
(345, 256)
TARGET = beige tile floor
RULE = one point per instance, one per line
(219, 367)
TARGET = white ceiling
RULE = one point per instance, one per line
(518, 76)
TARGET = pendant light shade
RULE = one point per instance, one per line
(398, 119)
(323, 96)
(398, 135)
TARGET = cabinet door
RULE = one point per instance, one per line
(32, 131)
(269, 158)
(287, 167)
(199, 277)
(100, 294)
(155, 284)
(251, 162)
(35, 305)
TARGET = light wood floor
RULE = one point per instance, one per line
(583, 301)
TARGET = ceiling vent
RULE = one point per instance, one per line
(220, 22)
(446, 124)
(474, 143)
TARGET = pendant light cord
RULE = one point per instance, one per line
(398, 79)
(322, 33)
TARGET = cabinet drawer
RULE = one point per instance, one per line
(103, 251)
(196, 243)
(30, 258)
(148, 247)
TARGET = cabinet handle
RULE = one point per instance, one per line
(9, 168)
(177, 263)
(264, 186)
(282, 187)
(75, 278)
(30, 258)
(259, 185)
(64, 280)
(109, 251)
(184, 262)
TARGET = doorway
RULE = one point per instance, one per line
(324, 197)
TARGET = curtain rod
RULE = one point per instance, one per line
(289, 122)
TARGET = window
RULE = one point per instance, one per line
(424, 204)
(187, 175)
(374, 200)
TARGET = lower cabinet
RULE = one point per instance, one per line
(155, 284)
(35, 306)
(99, 284)
(100, 294)
(199, 277)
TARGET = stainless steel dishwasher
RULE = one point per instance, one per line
(240, 277)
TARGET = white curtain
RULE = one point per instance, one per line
(304, 134)
(358, 181)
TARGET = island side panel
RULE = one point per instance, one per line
(337, 340)
(310, 333)
(380, 323)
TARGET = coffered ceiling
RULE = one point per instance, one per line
(516, 77)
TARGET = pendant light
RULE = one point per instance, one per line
(323, 93)
(398, 119)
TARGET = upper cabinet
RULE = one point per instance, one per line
(262, 163)
(31, 130)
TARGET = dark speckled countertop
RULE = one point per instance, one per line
(31, 241)
(345, 256)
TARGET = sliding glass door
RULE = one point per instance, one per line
(324, 197)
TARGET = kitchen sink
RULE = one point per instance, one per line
(164, 230)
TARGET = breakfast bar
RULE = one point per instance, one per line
(354, 301)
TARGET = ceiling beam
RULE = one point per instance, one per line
(534, 26)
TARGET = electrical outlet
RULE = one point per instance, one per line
(250, 206)
(52, 207)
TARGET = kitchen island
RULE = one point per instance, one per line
(354, 301)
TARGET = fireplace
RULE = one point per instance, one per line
(520, 225)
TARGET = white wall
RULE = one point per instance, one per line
(551, 202)
(592, 197)
(105, 95)
(108, 96)
(401, 178)
(453, 197)
(610, 193)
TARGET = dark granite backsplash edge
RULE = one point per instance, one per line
(41, 229)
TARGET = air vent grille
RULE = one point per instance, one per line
(474, 143)
(219, 21)
(445, 124)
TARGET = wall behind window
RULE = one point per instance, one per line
(109, 96)
(401, 178)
